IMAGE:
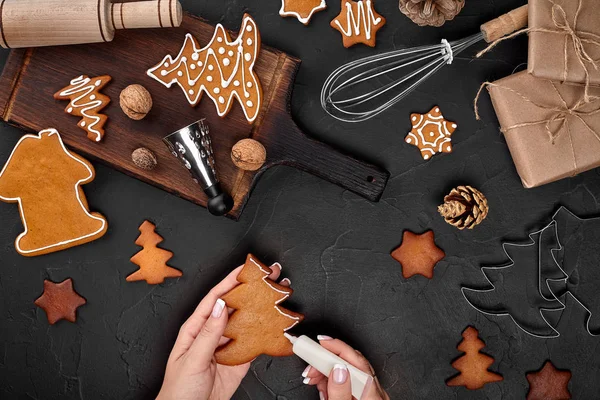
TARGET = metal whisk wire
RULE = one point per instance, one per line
(349, 95)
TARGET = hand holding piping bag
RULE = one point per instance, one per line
(337, 385)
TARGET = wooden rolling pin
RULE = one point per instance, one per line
(35, 23)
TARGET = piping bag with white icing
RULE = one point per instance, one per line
(323, 361)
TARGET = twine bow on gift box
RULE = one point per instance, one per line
(580, 40)
(561, 114)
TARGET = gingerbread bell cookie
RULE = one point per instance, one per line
(303, 10)
(358, 22)
(60, 301)
(223, 69)
(418, 254)
(431, 133)
(86, 102)
(45, 179)
(258, 324)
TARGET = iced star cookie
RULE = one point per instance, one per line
(86, 102)
(358, 22)
(45, 179)
(223, 69)
(431, 133)
(303, 10)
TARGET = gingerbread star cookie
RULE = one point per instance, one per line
(358, 22)
(549, 383)
(86, 102)
(60, 301)
(223, 69)
(418, 254)
(431, 133)
(301, 9)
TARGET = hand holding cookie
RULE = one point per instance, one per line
(337, 385)
(192, 372)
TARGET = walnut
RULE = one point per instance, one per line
(248, 154)
(144, 158)
(136, 101)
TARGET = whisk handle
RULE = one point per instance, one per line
(324, 161)
(505, 24)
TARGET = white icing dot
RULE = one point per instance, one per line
(179, 73)
(249, 103)
(221, 50)
(246, 94)
(230, 52)
(219, 39)
(449, 148)
(70, 110)
(98, 83)
(193, 66)
(249, 84)
(209, 78)
(183, 59)
(221, 99)
(248, 56)
(210, 67)
(240, 49)
(93, 97)
(191, 91)
(249, 28)
(437, 110)
(190, 82)
(199, 63)
(454, 126)
(217, 90)
(408, 140)
(226, 62)
(163, 73)
(195, 56)
(426, 157)
(414, 118)
(82, 123)
(166, 65)
(249, 41)
(236, 83)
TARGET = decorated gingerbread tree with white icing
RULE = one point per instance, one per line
(258, 324)
(224, 70)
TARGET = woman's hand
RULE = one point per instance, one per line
(192, 372)
(337, 385)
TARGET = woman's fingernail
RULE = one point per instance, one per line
(324, 337)
(340, 373)
(306, 371)
(321, 395)
(286, 281)
(306, 381)
(276, 265)
(218, 308)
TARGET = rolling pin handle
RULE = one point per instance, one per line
(147, 14)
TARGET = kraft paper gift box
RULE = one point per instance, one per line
(551, 133)
(564, 40)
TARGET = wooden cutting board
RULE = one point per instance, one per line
(32, 76)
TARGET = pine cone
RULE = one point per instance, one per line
(431, 12)
(464, 207)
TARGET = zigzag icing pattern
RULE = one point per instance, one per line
(223, 69)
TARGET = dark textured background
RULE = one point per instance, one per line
(334, 245)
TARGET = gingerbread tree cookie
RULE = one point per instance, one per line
(358, 22)
(259, 323)
(45, 179)
(431, 133)
(223, 69)
(60, 301)
(301, 9)
(152, 260)
(473, 365)
(86, 102)
(418, 254)
(549, 383)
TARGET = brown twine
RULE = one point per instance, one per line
(562, 115)
(579, 38)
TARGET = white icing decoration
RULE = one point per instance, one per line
(166, 65)
(220, 39)
(191, 91)
(163, 72)
(77, 190)
(249, 103)
(92, 97)
(248, 56)
(303, 20)
(221, 50)
(70, 110)
(179, 73)
(199, 63)
(239, 68)
(210, 67)
(221, 99)
(249, 41)
(193, 66)
(195, 57)
(82, 123)
(217, 90)
(226, 62)
(366, 18)
(249, 84)
(82, 85)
